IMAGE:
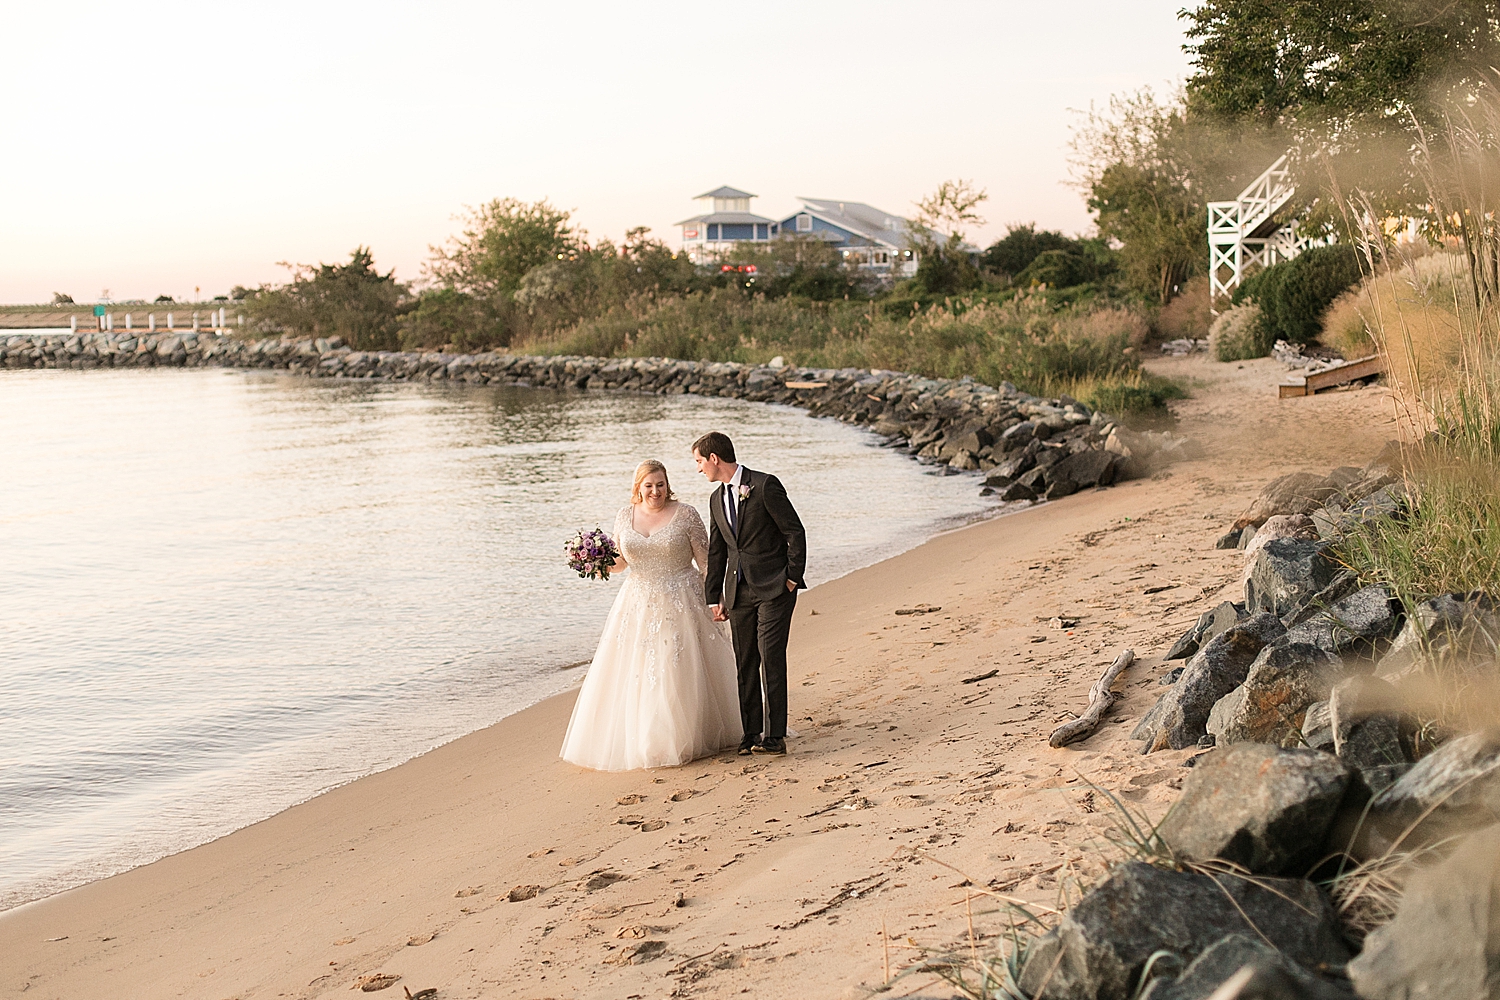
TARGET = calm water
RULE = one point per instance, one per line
(223, 592)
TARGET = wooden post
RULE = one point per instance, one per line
(73, 323)
(195, 321)
(169, 321)
(151, 321)
(128, 324)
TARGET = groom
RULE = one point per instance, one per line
(757, 552)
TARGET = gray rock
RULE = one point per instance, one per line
(1215, 670)
(1317, 727)
(1286, 573)
(1209, 624)
(1454, 789)
(1444, 943)
(1344, 583)
(1247, 535)
(1101, 946)
(1230, 539)
(1273, 976)
(1367, 722)
(1020, 462)
(1268, 707)
(1354, 623)
(1018, 491)
(1379, 777)
(1467, 625)
(1297, 493)
(1082, 470)
(1265, 809)
(997, 480)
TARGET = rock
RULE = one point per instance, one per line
(1317, 727)
(1017, 491)
(1343, 619)
(1444, 943)
(1082, 470)
(1230, 539)
(1268, 707)
(1272, 976)
(1265, 809)
(1218, 668)
(997, 480)
(1286, 573)
(1454, 789)
(1367, 722)
(1297, 493)
(1020, 462)
(1101, 945)
(1465, 626)
(964, 461)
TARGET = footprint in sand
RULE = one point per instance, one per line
(540, 854)
(521, 893)
(652, 825)
(629, 800)
(471, 890)
(683, 795)
(377, 981)
(631, 820)
(418, 940)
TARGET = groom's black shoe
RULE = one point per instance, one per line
(773, 745)
(748, 746)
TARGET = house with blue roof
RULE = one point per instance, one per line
(865, 236)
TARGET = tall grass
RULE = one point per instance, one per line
(1087, 351)
(1435, 316)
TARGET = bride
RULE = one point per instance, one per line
(662, 687)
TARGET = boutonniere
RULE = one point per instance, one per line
(744, 492)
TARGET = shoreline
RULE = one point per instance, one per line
(912, 789)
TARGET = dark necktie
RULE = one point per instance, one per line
(734, 510)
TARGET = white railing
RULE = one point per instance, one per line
(1241, 233)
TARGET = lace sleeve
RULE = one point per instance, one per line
(622, 521)
(698, 536)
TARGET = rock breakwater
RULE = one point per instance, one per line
(1030, 447)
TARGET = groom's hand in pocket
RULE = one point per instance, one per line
(791, 585)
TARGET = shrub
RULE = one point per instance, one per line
(354, 301)
(1344, 326)
(1294, 294)
(1238, 334)
(1188, 314)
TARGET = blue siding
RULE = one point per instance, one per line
(737, 231)
(760, 231)
(847, 239)
(713, 231)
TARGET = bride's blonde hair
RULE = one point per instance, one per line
(645, 469)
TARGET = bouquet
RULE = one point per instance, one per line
(591, 553)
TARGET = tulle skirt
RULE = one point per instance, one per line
(662, 688)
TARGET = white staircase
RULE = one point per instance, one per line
(1244, 231)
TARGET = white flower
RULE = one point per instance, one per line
(744, 492)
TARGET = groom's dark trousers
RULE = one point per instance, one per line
(752, 552)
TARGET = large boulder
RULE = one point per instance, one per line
(1461, 627)
(1180, 718)
(1444, 943)
(1269, 706)
(1218, 619)
(1265, 809)
(1079, 471)
(1454, 789)
(1352, 624)
(1297, 493)
(1367, 723)
(1102, 945)
(1271, 976)
(1286, 574)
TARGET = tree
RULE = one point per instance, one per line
(500, 243)
(1020, 245)
(1135, 163)
(943, 264)
(60, 299)
(354, 301)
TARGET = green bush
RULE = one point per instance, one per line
(1294, 295)
(1239, 334)
(354, 301)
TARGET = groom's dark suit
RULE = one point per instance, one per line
(749, 564)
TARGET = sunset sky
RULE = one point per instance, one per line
(153, 148)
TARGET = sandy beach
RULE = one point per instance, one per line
(912, 796)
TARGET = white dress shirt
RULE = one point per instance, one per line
(732, 487)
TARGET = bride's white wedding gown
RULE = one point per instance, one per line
(662, 688)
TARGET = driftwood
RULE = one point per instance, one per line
(1101, 700)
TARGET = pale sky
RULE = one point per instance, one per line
(152, 148)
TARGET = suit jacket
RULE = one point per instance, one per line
(769, 549)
